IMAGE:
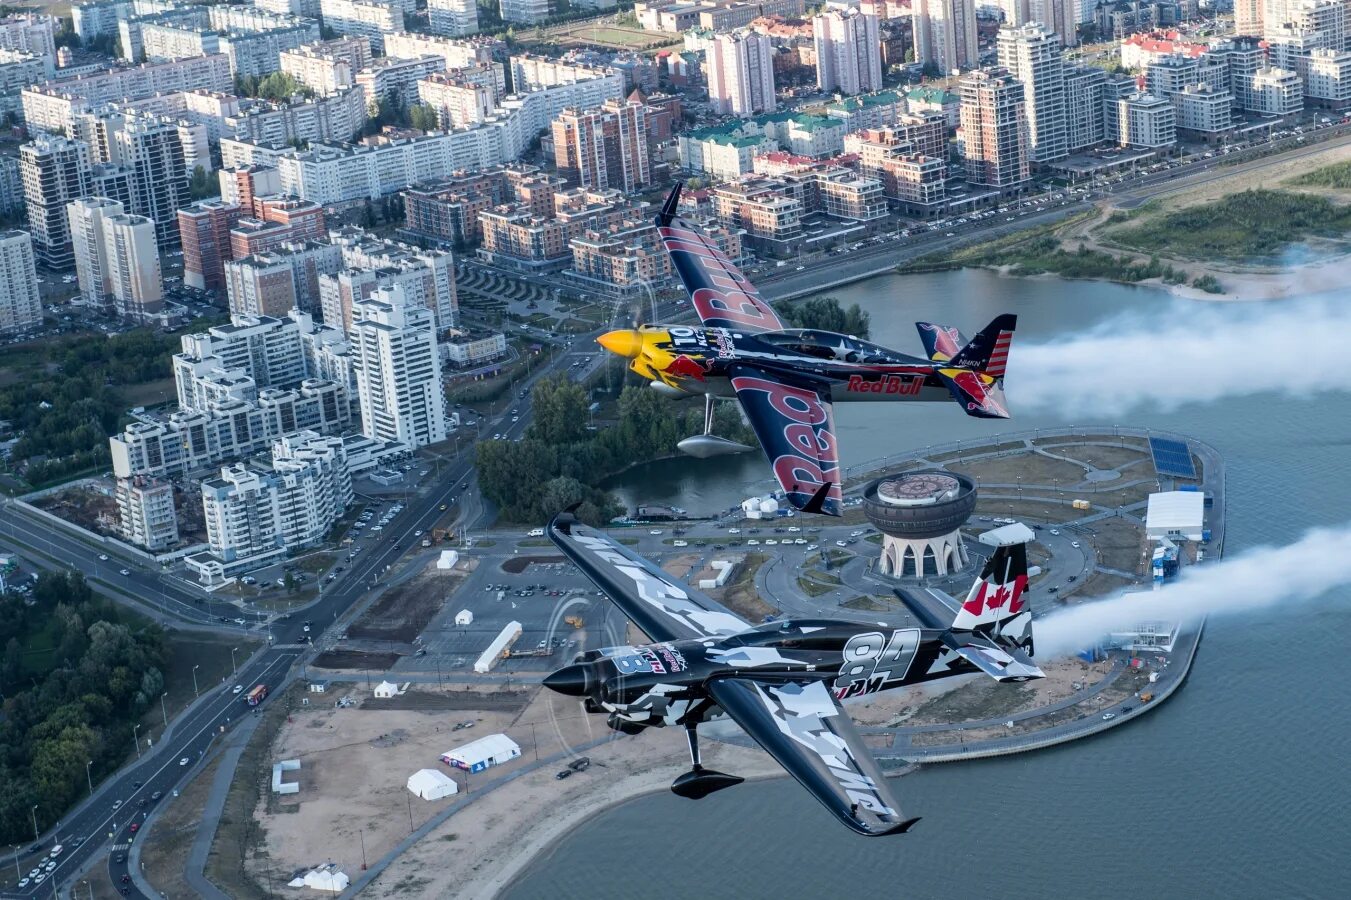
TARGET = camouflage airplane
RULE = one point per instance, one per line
(786, 379)
(783, 682)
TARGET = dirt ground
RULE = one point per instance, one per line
(165, 851)
(981, 698)
(92, 508)
(1101, 457)
(1031, 468)
(740, 595)
(355, 660)
(404, 610)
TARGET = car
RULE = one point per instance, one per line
(103, 557)
(580, 765)
(307, 629)
(753, 542)
(799, 541)
(23, 883)
(183, 761)
(117, 804)
(1106, 717)
(126, 879)
(1074, 544)
(841, 544)
(811, 547)
(444, 507)
(417, 533)
(120, 858)
(154, 798)
(562, 773)
(680, 543)
(655, 531)
(1072, 578)
(56, 851)
(51, 864)
(142, 802)
(237, 689)
(124, 571)
(39, 878)
(770, 542)
(36, 872)
(1055, 531)
(1053, 589)
(135, 827)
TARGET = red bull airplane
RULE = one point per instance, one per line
(786, 379)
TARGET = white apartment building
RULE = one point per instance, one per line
(20, 303)
(1277, 92)
(1329, 80)
(29, 32)
(327, 66)
(457, 53)
(365, 18)
(848, 51)
(398, 369)
(1032, 55)
(525, 12)
(452, 17)
(1204, 109)
(945, 33)
(740, 72)
(458, 103)
(87, 216)
(133, 262)
(1146, 120)
(145, 513)
(336, 116)
(258, 513)
(52, 106)
(55, 170)
(398, 77)
(1085, 88)
(427, 278)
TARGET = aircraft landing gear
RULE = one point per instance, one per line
(700, 782)
(708, 444)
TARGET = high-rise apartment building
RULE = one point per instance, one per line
(1084, 115)
(132, 257)
(365, 18)
(1059, 16)
(452, 17)
(848, 51)
(994, 128)
(525, 12)
(1248, 17)
(204, 229)
(398, 370)
(145, 513)
(55, 171)
(603, 148)
(87, 216)
(150, 147)
(259, 285)
(20, 303)
(1031, 54)
(945, 33)
(740, 72)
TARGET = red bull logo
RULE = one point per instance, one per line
(685, 367)
(896, 385)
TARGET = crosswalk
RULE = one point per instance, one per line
(122, 847)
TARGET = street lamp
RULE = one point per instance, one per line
(233, 668)
(37, 836)
(18, 873)
(88, 766)
(164, 711)
(195, 691)
(136, 738)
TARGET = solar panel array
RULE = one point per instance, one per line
(1171, 458)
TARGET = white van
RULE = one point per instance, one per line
(535, 532)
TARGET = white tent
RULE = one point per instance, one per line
(490, 750)
(386, 689)
(448, 559)
(325, 879)
(429, 784)
(464, 617)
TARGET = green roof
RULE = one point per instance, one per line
(732, 128)
(932, 95)
(851, 103)
(812, 123)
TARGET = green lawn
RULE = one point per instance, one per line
(1337, 175)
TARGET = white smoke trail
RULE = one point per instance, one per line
(1188, 353)
(1259, 577)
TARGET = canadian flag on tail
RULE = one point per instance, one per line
(996, 606)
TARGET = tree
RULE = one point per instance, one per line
(422, 116)
(291, 584)
(203, 184)
(559, 406)
(826, 314)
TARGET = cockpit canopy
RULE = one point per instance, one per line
(832, 346)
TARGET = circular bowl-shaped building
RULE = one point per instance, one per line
(920, 514)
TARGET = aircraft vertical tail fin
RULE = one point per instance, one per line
(996, 606)
(988, 351)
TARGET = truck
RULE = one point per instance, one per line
(257, 695)
(1146, 696)
(574, 621)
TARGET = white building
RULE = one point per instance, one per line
(848, 51)
(397, 77)
(398, 370)
(131, 255)
(1177, 515)
(1329, 80)
(452, 17)
(465, 348)
(146, 515)
(255, 514)
(524, 12)
(29, 32)
(328, 66)
(20, 303)
(1032, 55)
(1203, 109)
(366, 18)
(457, 53)
(945, 33)
(432, 784)
(1145, 120)
(740, 72)
(55, 170)
(1277, 92)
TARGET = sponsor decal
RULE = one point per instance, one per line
(944, 338)
(675, 660)
(896, 385)
(718, 291)
(807, 456)
(654, 664)
(685, 367)
(872, 662)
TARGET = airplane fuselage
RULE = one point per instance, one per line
(665, 683)
(699, 360)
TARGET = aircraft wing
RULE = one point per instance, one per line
(662, 607)
(803, 727)
(722, 296)
(796, 426)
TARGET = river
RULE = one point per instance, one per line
(1233, 788)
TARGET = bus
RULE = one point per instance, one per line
(255, 696)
